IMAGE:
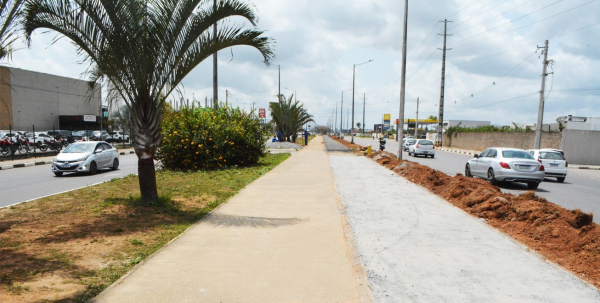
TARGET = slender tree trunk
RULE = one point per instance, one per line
(147, 178)
(146, 138)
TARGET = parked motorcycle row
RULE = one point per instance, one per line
(22, 144)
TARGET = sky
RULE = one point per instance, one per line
(493, 67)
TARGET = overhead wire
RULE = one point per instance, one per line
(510, 21)
(491, 8)
(499, 15)
(563, 12)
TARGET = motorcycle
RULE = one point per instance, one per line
(381, 144)
(6, 147)
(24, 147)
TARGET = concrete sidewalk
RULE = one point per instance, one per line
(417, 247)
(281, 239)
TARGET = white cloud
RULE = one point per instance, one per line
(317, 43)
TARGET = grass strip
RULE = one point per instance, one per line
(69, 247)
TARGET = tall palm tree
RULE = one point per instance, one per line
(10, 11)
(289, 116)
(145, 48)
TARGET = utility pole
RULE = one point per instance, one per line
(540, 118)
(279, 67)
(335, 122)
(364, 101)
(417, 120)
(402, 83)
(342, 115)
(441, 105)
(215, 77)
(226, 97)
(353, 81)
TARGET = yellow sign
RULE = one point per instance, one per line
(387, 117)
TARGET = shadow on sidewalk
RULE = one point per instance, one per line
(238, 221)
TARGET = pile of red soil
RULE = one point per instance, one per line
(349, 145)
(567, 238)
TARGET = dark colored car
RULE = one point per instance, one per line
(64, 134)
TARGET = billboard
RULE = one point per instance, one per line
(261, 113)
(386, 121)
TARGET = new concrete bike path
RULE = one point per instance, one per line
(281, 239)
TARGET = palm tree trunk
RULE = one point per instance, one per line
(146, 138)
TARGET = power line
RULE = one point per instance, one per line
(509, 22)
(491, 8)
(527, 24)
(462, 9)
(501, 14)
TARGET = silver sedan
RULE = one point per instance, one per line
(86, 157)
(499, 164)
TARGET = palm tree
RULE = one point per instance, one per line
(289, 116)
(144, 49)
(10, 11)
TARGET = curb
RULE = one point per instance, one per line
(586, 167)
(5, 167)
(456, 151)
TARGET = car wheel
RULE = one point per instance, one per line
(39, 144)
(58, 173)
(560, 179)
(491, 177)
(532, 185)
(115, 164)
(93, 168)
(432, 156)
(468, 171)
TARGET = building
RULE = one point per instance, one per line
(47, 102)
(579, 123)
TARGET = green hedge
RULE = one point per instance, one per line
(199, 138)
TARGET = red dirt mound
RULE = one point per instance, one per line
(568, 238)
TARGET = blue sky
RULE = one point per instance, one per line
(493, 58)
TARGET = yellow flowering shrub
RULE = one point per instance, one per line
(207, 139)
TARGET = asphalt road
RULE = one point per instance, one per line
(28, 183)
(581, 188)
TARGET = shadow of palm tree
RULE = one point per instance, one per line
(222, 220)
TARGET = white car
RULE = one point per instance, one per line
(501, 164)
(421, 147)
(86, 157)
(40, 138)
(554, 162)
(406, 142)
(118, 136)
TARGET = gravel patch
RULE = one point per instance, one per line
(283, 145)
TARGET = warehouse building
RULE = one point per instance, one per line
(47, 102)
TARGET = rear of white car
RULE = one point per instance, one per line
(422, 147)
(555, 163)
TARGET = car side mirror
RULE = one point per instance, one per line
(99, 150)
(476, 155)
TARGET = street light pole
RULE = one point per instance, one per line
(353, 81)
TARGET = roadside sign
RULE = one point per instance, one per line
(89, 118)
(263, 120)
(261, 113)
(386, 121)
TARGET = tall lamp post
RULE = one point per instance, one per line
(353, 80)
(279, 81)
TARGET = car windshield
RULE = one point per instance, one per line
(410, 141)
(518, 154)
(79, 148)
(551, 156)
(425, 142)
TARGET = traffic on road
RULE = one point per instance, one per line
(580, 188)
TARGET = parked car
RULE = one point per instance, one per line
(82, 135)
(554, 162)
(422, 147)
(556, 150)
(499, 164)
(99, 135)
(407, 142)
(118, 136)
(40, 138)
(63, 134)
(86, 157)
